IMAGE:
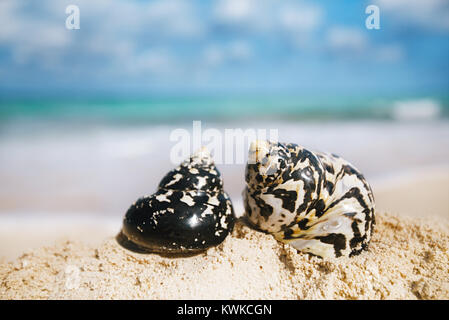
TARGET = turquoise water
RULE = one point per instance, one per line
(219, 108)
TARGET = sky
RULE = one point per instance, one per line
(236, 46)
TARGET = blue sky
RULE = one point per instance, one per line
(306, 47)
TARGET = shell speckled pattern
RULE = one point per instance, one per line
(189, 213)
(318, 203)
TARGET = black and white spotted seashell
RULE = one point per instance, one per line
(189, 213)
(319, 203)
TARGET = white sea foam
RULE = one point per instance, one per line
(419, 109)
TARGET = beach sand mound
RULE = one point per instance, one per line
(407, 259)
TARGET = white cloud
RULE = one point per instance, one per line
(350, 42)
(300, 18)
(431, 14)
(115, 33)
(8, 10)
(174, 18)
(155, 61)
(347, 39)
(19, 29)
(294, 19)
(101, 45)
(235, 11)
(31, 38)
(235, 51)
(299, 21)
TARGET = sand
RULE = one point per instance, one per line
(416, 193)
(408, 259)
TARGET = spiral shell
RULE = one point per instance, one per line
(318, 203)
(189, 212)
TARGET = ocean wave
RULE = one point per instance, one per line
(419, 109)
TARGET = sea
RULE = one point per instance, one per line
(95, 156)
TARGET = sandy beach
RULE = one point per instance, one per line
(408, 258)
(419, 193)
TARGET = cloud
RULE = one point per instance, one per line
(300, 18)
(429, 14)
(8, 10)
(116, 38)
(29, 37)
(290, 18)
(155, 61)
(236, 51)
(351, 42)
(346, 39)
(260, 41)
(244, 16)
(235, 11)
(173, 18)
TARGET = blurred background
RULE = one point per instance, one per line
(86, 114)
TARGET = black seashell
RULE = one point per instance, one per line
(189, 213)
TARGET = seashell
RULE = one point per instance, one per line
(319, 203)
(189, 213)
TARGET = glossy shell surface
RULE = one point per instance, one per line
(190, 212)
(317, 202)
